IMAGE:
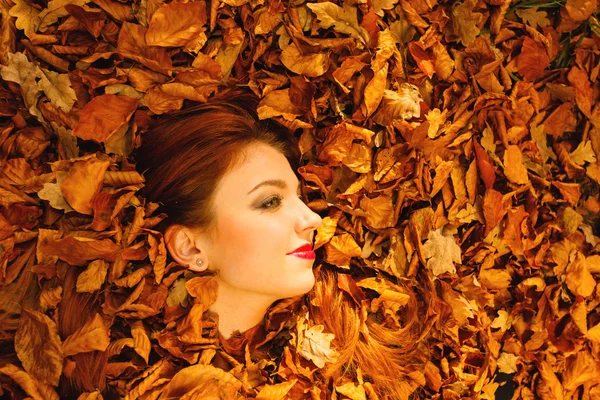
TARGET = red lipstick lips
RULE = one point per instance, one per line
(304, 251)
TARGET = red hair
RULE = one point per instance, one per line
(183, 158)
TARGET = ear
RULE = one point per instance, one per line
(182, 244)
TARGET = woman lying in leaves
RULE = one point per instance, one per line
(239, 312)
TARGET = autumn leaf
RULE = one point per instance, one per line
(465, 20)
(34, 388)
(533, 59)
(93, 277)
(175, 24)
(352, 391)
(39, 347)
(82, 182)
(275, 392)
(24, 73)
(342, 19)
(583, 153)
(28, 18)
(203, 380)
(104, 116)
(312, 65)
(441, 252)
(533, 17)
(92, 336)
(316, 346)
(54, 11)
(379, 211)
(514, 169)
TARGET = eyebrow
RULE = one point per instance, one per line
(272, 182)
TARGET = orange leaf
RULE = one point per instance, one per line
(514, 169)
(93, 277)
(104, 116)
(175, 24)
(94, 335)
(533, 59)
(493, 209)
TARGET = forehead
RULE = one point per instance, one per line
(259, 162)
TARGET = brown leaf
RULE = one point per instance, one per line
(493, 209)
(203, 381)
(74, 250)
(132, 44)
(104, 116)
(379, 211)
(175, 24)
(38, 346)
(533, 59)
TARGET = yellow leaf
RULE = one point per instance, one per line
(340, 250)
(533, 17)
(514, 169)
(24, 73)
(141, 341)
(94, 335)
(343, 20)
(441, 252)
(579, 280)
(38, 346)
(311, 65)
(28, 18)
(316, 346)
(583, 153)
(507, 363)
(58, 89)
(435, 118)
(34, 388)
(465, 20)
(379, 211)
(276, 392)
(202, 380)
(593, 334)
(352, 391)
(93, 277)
(53, 194)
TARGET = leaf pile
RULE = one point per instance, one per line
(452, 142)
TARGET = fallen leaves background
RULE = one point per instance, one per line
(453, 140)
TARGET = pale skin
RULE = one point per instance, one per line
(259, 220)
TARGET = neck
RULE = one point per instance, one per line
(239, 310)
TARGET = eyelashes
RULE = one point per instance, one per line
(273, 202)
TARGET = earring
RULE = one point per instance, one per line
(199, 262)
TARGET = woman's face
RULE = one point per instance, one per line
(258, 223)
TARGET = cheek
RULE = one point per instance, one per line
(250, 236)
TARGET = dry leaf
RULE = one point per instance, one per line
(38, 346)
(441, 252)
(92, 336)
(316, 346)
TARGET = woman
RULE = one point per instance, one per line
(234, 213)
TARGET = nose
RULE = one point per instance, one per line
(308, 220)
